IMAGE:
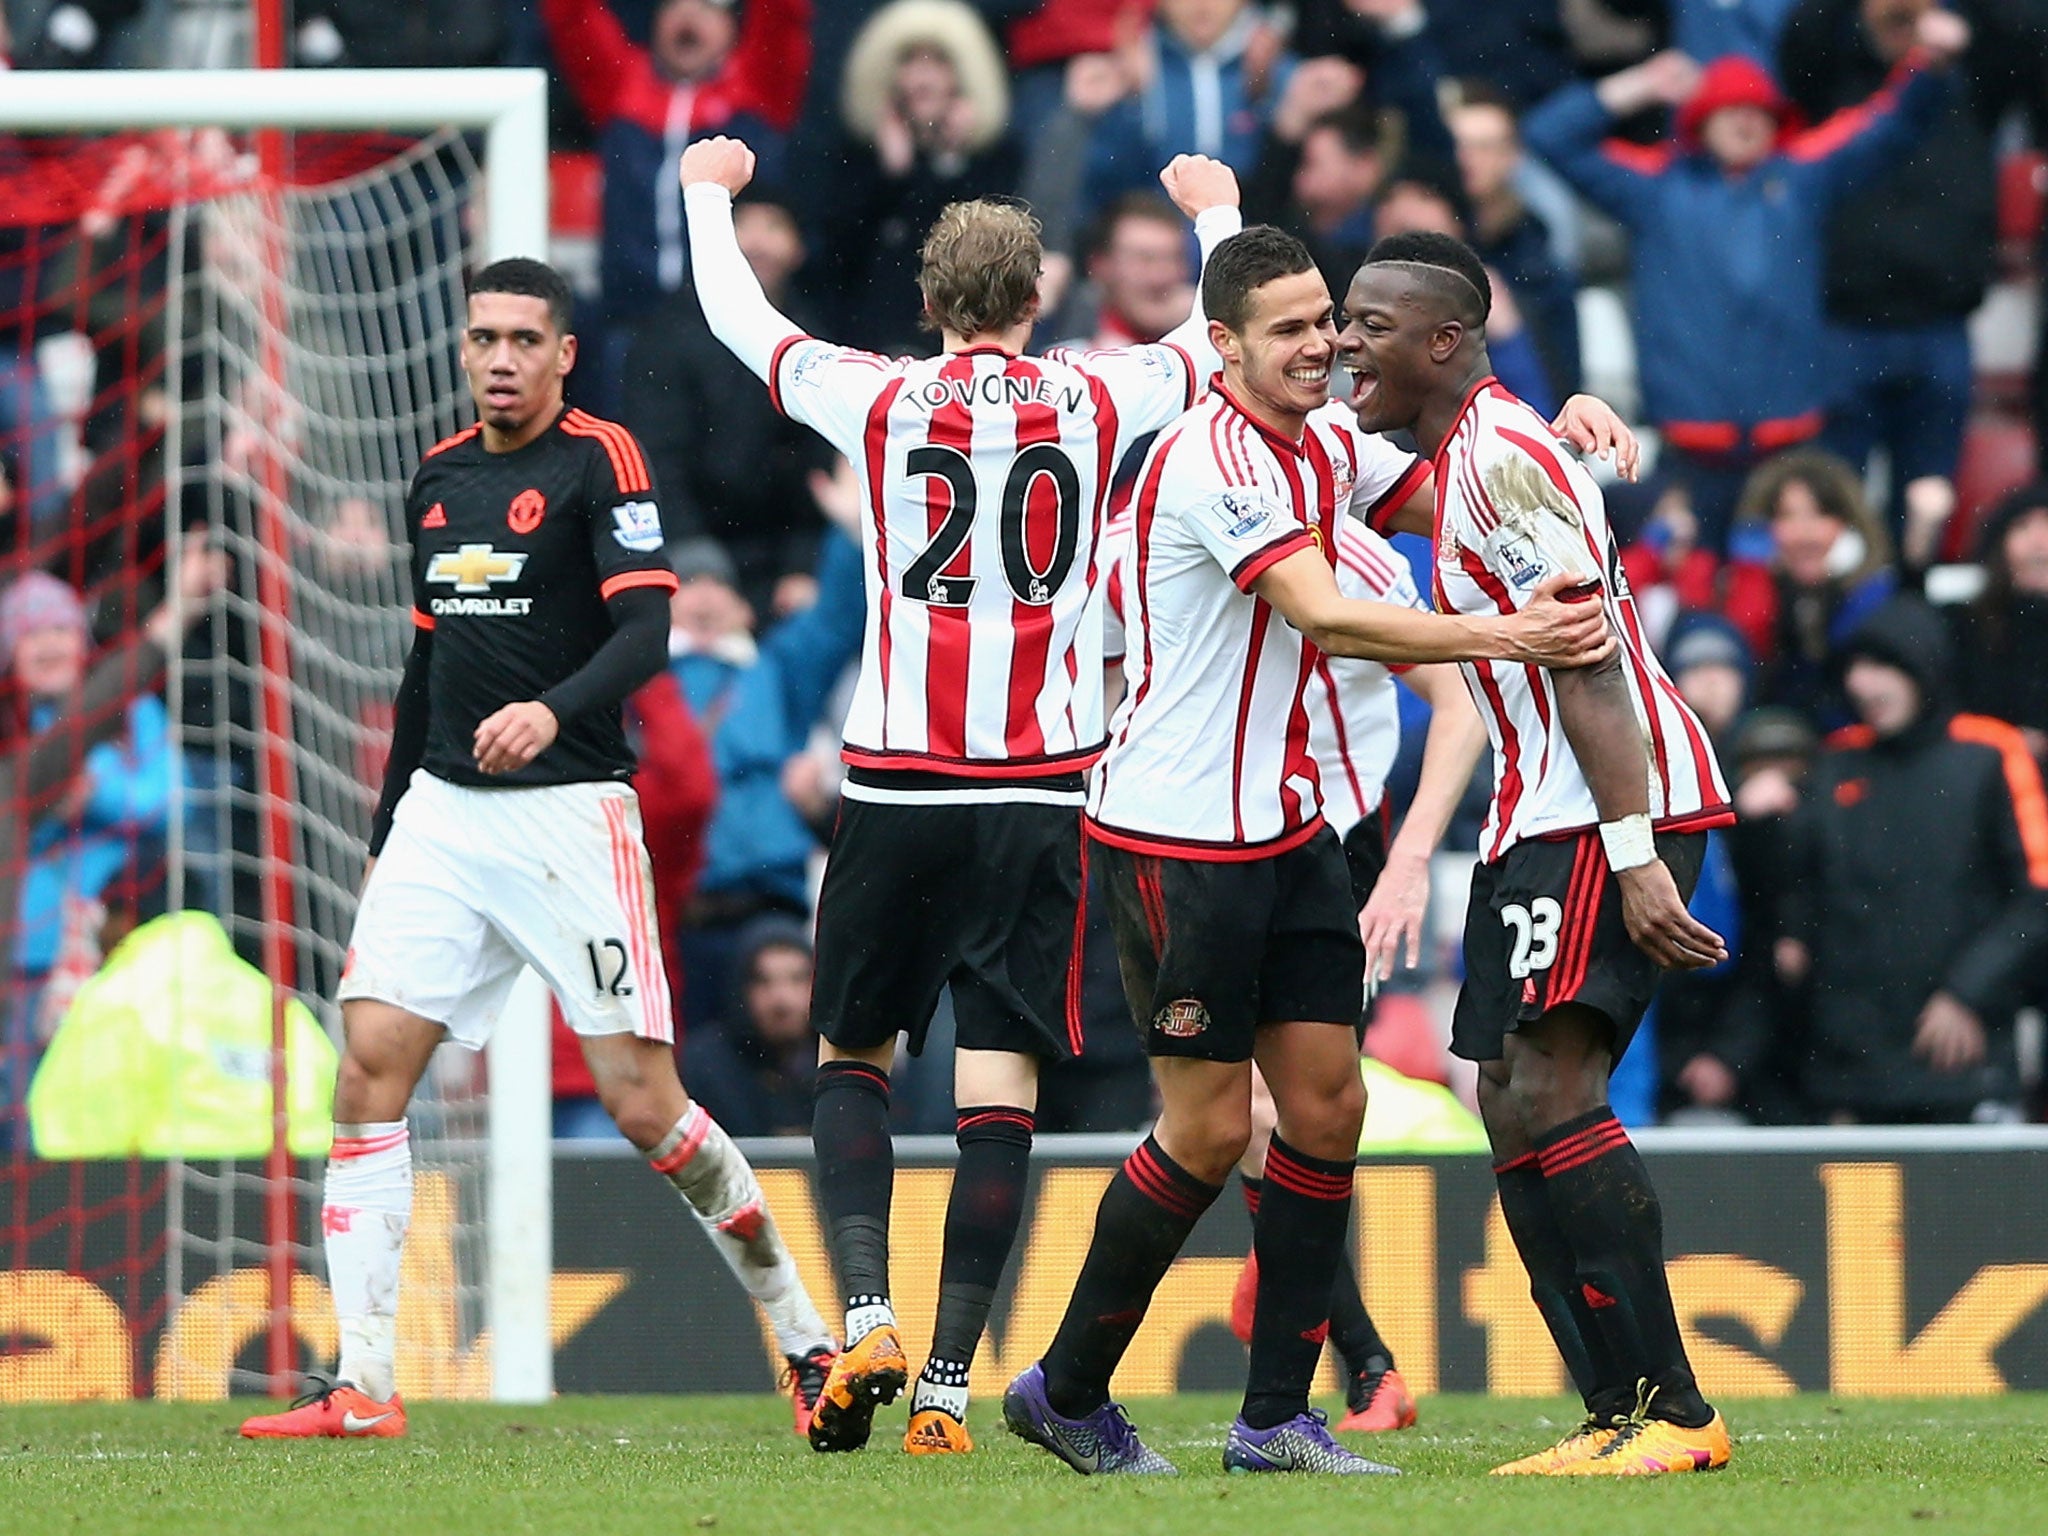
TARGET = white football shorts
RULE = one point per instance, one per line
(475, 883)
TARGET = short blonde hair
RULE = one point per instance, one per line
(981, 265)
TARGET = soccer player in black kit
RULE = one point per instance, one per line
(509, 834)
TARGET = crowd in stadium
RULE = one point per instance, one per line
(1786, 237)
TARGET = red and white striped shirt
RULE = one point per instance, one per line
(1511, 510)
(1209, 755)
(1354, 718)
(983, 477)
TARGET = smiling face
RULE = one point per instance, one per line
(1279, 364)
(1394, 343)
(516, 360)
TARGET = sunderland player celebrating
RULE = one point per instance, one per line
(1354, 732)
(957, 860)
(1230, 898)
(1604, 786)
(509, 835)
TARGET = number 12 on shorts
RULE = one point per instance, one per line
(608, 966)
(1535, 934)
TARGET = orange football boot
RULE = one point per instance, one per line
(331, 1410)
(1588, 1440)
(935, 1432)
(869, 1373)
(1379, 1402)
(1650, 1447)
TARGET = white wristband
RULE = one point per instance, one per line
(1630, 842)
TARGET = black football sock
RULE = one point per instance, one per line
(1145, 1217)
(981, 1227)
(1608, 1208)
(856, 1173)
(1304, 1220)
(1603, 1381)
(1357, 1341)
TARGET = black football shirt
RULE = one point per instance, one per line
(513, 557)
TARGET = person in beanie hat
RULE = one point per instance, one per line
(2002, 636)
(36, 763)
(1919, 905)
(1726, 228)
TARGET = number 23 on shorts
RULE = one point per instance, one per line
(1533, 929)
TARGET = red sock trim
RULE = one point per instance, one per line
(1513, 1163)
(1160, 1181)
(1253, 1188)
(1311, 1178)
(346, 1147)
(970, 1119)
(1582, 1146)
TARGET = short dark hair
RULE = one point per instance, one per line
(1149, 206)
(530, 279)
(1358, 127)
(1453, 270)
(1475, 92)
(1245, 262)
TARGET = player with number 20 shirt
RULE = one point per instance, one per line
(957, 859)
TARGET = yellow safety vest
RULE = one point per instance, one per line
(166, 1053)
(1405, 1114)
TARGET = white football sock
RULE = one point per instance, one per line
(719, 1185)
(364, 1211)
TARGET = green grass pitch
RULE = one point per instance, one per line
(668, 1466)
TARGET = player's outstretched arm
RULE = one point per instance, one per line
(1600, 722)
(1206, 191)
(1547, 633)
(1395, 910)
(713, 171)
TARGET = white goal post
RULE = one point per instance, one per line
(509, 107)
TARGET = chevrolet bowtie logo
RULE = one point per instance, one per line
(474, 567)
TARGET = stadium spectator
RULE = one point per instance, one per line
(1140, 282)
(757, 699)
(1322, 162)
(1909, 256)
(1427, 195)
(1513, 236)
(151, 1060)
(1763, 1029)
(926, 107)
(706, 69)
(1921, 903)
(120, 797)
(754, 1072)
(729, 465)
(38, 765)
(1045, 39)
(1726, 242)
(2003, 639)
(1210, 75)
(1825, 567)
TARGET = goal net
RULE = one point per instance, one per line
(221, 335)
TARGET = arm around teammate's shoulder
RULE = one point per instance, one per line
(1548, 632)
